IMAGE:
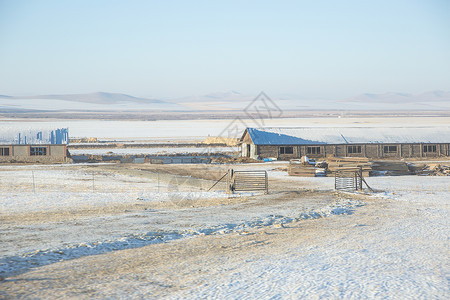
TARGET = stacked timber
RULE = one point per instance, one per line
(306, 168)
(430, 169)
(349, 162)
(439, 170)
(392, 168)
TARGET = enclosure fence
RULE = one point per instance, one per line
(247, 181)
(349, 179)
(93, 181)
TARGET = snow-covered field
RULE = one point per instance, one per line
(180, 241)
(398, 248)
(167, 150)
(199, 129)
(117, 212)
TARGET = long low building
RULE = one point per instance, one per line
(33, 146)
(286, 143)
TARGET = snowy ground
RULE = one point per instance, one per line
(301, 240)
(161, 151)
(53, 213)
(395, 247)
(184, 130)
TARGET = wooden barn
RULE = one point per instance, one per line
(285, 143)
(34, 146)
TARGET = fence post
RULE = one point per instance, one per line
(34, 184)
(360, 178)
(267, 182)
(335, 179)
(158, 182)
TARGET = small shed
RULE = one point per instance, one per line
(33, 145)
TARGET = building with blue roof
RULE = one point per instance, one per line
(286, 143)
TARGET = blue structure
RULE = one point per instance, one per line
(34, 137)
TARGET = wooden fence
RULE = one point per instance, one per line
(348, 179)
(246, 181)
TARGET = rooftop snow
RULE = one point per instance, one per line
(349, 135)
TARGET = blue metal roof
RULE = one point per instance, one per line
(261, 137)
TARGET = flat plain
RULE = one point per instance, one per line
(150, 231)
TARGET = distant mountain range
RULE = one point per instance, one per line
(221, 101)
(98, 98)
(431, 96)
(229, 96)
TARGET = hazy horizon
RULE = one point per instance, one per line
(153, 49)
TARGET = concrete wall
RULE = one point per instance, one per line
(21, 150)
(57, 151)
(367, 150)
(21, 154)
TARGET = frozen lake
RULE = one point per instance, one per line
(200, 129)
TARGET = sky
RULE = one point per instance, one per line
(163, 49)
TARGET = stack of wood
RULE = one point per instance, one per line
(302, 168)
(440, 170)
(393, 168)
(417, 168)
(430, 169)
(349, 162)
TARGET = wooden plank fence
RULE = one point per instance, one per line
(348, 179)
(246, 181)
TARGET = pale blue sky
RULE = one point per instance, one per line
(327, 49)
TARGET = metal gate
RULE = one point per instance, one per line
(246, 181)
(348, 179)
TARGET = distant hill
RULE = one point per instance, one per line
(435, 96)
(98, 98)
(221, 101)
(431, 96)
(99, 101)
(228, 96)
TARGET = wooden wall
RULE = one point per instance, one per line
(367, 150)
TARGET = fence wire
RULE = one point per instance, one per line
(83, 181)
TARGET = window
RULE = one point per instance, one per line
(313, 150)
(38, 151)
(390, 149)
(353, 149)
(4, 151)
(429, 148)
(286, 150)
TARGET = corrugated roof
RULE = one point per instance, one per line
(347, 135)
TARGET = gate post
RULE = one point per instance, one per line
(267, 183)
